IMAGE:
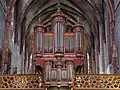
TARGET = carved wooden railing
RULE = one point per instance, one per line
(99, 82)
(20, 82)
(102, 82)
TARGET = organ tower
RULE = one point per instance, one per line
(59, 49)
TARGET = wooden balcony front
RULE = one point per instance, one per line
(18, 82)
(97, 82)
(80, 82)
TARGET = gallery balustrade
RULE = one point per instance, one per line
(100, 81)
(21, 82)
(80, 82)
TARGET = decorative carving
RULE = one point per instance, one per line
(48, 70)
(20, 81)
(81, 81)
(59, 70)
(54, 74)
(64, 74)
(97, 81)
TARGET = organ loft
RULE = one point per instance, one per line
(59, 44)
(59, 49)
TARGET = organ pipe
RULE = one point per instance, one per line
(79, 38)
(59, 26)
(38, 39)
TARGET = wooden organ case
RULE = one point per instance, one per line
(58, 50)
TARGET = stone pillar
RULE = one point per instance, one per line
(93, 63)
(6, 42)
(22, 62)
(96, 56)
(101, 55)
(114, 51)
(106, 44)
(85, 64)
(88, 61)
(117, 29)
(27, 63)
(30, 64)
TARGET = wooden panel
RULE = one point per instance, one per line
(54, 74)
(102, 82)
(64, 74)
(20, 82)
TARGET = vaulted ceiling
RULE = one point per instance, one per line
(29, 12)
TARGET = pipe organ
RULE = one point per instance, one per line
(79, 38)
(58, 48)
(59, 26)
(48, 40)
(38, 39)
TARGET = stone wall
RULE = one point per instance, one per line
(117, 27)
(2, 27)
(2, 24)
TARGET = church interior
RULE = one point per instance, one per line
(59, 44)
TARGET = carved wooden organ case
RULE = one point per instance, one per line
(58, 48)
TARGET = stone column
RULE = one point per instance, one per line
(93, 62)
(101, 55)
(85, 64)
(96, 56)
(114, 51)
(106, 45)
(6, 42)
(117, 32)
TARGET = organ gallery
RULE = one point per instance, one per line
(59, 44)
(59, 48)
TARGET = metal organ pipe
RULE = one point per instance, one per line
(62, 35)
(78, 28)
(58, 37)
(59, 27)
(38, 38)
